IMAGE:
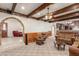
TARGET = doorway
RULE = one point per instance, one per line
(12, 31)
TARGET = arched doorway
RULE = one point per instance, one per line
(8, 18)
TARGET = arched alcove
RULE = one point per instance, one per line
(8, 18)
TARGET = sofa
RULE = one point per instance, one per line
(17, 34)
(73, 51)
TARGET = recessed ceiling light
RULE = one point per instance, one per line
(22, 7)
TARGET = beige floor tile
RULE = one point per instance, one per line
(16, 48)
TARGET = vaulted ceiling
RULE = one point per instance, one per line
(39, 10)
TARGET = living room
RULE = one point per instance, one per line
(36, 26)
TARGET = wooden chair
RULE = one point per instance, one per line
(41, 38)
(59, 43)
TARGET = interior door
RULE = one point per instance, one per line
(4, 29)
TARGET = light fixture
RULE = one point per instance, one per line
(48, 16)
(23, 7)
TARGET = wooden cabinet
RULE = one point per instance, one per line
(66, 35)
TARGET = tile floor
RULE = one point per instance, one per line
(16, 47)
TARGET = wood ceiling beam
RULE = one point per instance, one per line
(76, 17)
(41, 17)
(23, 15)
(70, 16)
(67, 17)
(16, 13)
(65, 9)
(68, 8)
(5, 11)
(13, 7)
(43, 6)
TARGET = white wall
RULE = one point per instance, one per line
(31, 25)
(38, 26)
